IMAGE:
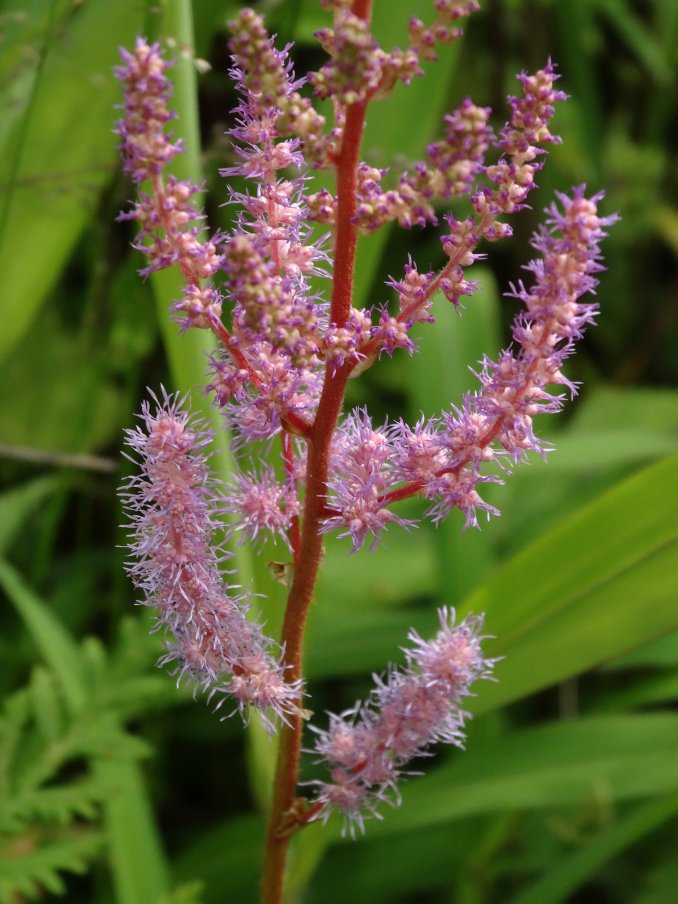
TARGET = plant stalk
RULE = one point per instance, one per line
(311, 545)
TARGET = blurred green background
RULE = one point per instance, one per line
(116, 787)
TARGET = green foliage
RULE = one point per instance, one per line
(568, 787)
(48, 824)
(64, 175)
(69, 780)
(190, 893)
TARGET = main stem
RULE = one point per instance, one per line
(306, 571)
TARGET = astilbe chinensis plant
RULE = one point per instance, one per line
(286, 354)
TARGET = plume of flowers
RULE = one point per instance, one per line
(287, 350)
(169, 230)
(173, 504)
(445, 458)
(366, 747)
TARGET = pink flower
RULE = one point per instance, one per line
(366, 748)
(173, 506)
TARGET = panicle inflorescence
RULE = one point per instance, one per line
(360, 70)
(167, 218)
(286, 352)
(146, 149)
(265, 74)
(174, 504)
(269, 257)
(441, 459)
(367, 747)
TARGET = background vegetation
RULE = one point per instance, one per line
(116, 787)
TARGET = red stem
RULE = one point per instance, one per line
(346, 234)
(294, 533)
(310, 552)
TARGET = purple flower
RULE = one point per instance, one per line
(169, 230)
(367, 747)
(173, 506)
(443, 459)
(146, 149)
(261, 504)
(266, 76)
(362, 471)
(287, 348)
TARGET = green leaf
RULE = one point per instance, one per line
(50, 361)
(47, 704)
(595, 586)
(639, 39)
(188, 893)
(140, 872)
(439, 373)
(306, 853)
(262, 751)
(576, 31)
(56, 645)
(661, 880)
(438, 376)
(563, 764)
(572, 873)
(659, 688)
(658, 654)
(64, 153)
(14, 718)
(29, 872)
(100, 736)
(405, 867)
(61, 804)
(365, 641)
(654, 411)
(400, 568)
(227, 857)
(579, 453)
(18, 504)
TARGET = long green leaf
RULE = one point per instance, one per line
(661, 653)
(578, 452)
(598, 758)
(140, 872)
(646, 46)
(227, 857)
(594, 587)
(64, 154)
(18, 503)
(439, 376)
(56, 645)
(569, 875)
(659, 688)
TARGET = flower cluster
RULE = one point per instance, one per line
(442, 459)
(367, 746)
(166, 216)
(173, 505)
(287, 349)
